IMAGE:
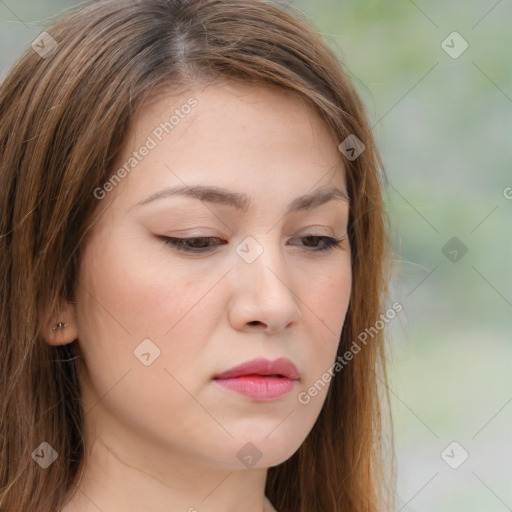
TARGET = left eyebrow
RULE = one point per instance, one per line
(241, 201)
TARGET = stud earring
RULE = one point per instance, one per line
(60, 325)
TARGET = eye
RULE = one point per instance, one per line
(190, 244)
(329, 243)
(203, 244)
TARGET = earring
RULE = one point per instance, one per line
(60, 325)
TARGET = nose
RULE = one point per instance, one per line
(263, 292)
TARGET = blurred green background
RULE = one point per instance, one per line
(442, 119)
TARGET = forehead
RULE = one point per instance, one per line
(234, 109)
(247, 138)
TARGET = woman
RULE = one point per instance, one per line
(193, 247)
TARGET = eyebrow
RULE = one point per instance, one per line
(241, 201)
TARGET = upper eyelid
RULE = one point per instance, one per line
(305, 235)
(193, 237)
(311, 233)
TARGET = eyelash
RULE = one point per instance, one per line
(178, 243)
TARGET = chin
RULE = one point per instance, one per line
(267, 450)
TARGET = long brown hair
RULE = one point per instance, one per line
(63, 120)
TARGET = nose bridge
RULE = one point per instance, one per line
(262, 268)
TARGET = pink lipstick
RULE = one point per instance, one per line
(261, 379)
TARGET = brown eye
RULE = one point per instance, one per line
(190, 244)
(327, 241)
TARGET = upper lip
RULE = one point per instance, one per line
(281, 367)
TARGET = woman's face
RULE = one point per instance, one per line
(158, 323)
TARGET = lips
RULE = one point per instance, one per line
(279, 368)
(260, 379)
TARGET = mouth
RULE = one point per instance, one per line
(260, 379)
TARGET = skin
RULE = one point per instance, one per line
(165, 437)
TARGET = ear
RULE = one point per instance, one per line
(67, 330)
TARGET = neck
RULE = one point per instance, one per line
(112, 480)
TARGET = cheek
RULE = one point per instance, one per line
(123, 301)
(325, 298)
(333, 298)
(132, 294)
(326, 304)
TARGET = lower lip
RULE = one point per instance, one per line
(259, 387)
